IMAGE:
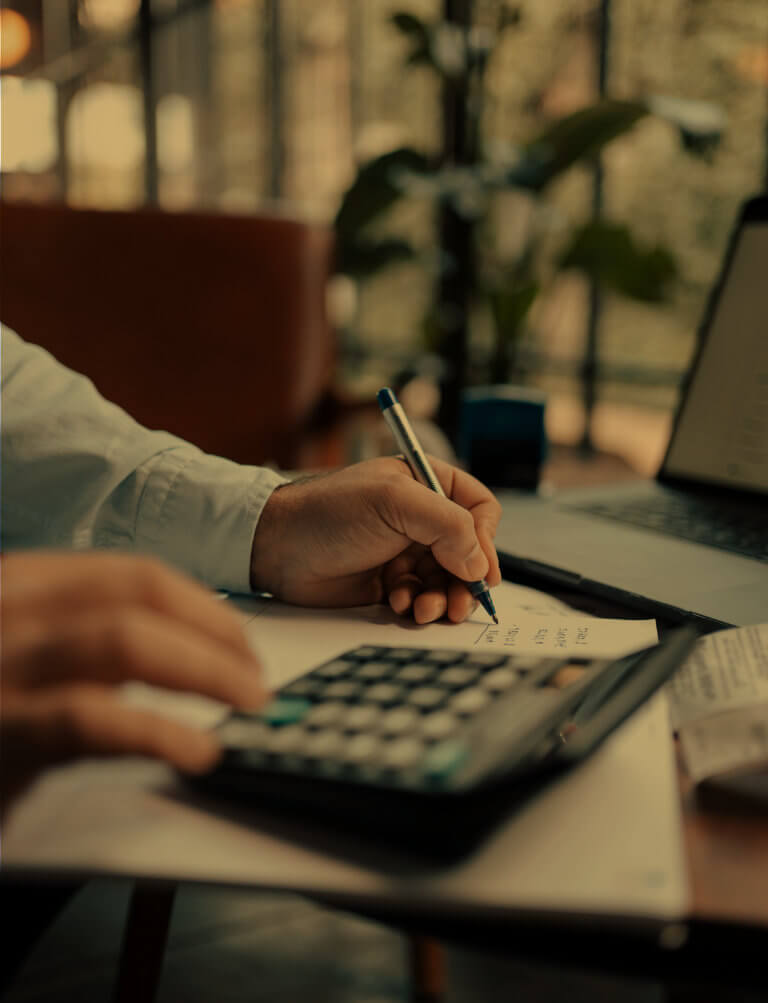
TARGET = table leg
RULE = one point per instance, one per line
(144, 940)
(427, 969)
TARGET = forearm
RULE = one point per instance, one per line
(79, 472)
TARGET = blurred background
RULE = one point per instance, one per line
(534, 192)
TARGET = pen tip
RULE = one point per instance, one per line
(495, 618)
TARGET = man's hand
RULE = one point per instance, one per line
(77, 625)
(371, 533)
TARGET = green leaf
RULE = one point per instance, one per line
(510, 306)
(410, 25)
(419, 33)
(362, 258)
(377, 186)
(608, 253)
(575, 137)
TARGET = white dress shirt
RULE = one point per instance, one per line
(78, 472)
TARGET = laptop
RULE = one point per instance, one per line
(692, 543)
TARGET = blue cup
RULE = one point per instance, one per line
(502, 438)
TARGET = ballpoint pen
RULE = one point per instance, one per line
(422, 470)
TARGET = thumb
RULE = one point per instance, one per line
(438, 523)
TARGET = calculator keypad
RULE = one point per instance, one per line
(398, 716)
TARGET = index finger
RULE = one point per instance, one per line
(55, 585)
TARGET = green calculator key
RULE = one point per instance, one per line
(285, 710)
(445, 759)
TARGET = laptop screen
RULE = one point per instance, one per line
(721, 431)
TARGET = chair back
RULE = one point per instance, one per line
(206, 325)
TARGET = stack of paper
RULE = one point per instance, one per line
(719, 707)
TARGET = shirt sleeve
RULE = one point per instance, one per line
(79, 472)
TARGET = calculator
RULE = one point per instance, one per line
(428, 748)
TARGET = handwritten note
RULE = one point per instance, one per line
(291, 640)
(548, 635)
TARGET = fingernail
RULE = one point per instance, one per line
(399, 602)
(254, 695)
(200, 753)
(477, 564)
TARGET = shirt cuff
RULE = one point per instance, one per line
(199, 512)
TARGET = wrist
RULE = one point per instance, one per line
(266, 548)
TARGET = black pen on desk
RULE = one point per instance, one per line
(422, 470)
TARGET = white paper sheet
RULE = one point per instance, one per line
(605, 840)
(735, 741)
(719, 707)
(727, 670)
(291, 639)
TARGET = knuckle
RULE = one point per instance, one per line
(120, 636)
(384, 498)
(151, 579)
(467, 522)
(75, 715)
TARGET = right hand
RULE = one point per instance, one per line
(77, 625)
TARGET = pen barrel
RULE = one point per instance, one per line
(409, 445)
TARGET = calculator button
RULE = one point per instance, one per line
(443, 657)
(305, 687)
(362, 716)
(323, 744)
(458, 676)
(333, 670)
(415, 673)
(384, 693)
(484, 659)
(427, 697)
(365, 651)
(404, 654)
(398, 720)
(445, 759)
(285, 710)
(288, 739)
(543, 672)
(342, 689)
(239, 734)
(374, 670)
(251, 759)
(566, 675)
(402, 753)
(439, 724)
(360, 748)
(500, 679)
(470, 701)
(323, 714)
(528, 663)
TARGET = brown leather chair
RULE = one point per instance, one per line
(207, 325)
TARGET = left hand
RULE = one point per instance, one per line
(371, 533)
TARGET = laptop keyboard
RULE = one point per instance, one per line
(744, 531)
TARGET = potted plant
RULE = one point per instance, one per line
(463, 183)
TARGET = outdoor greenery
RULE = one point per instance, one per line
(507, 283)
